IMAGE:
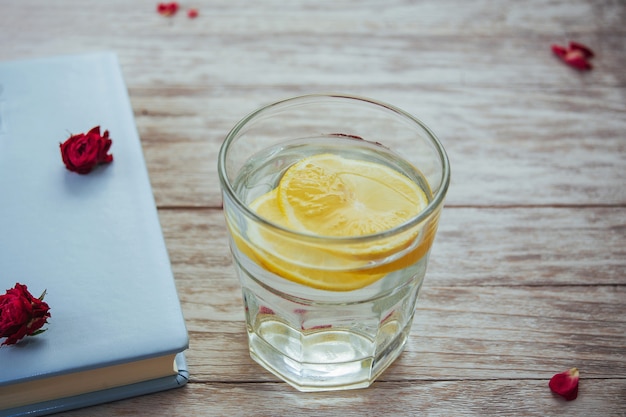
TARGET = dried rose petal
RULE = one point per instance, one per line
(565, 384)
(192, 13)
(575, 46)
(576, 58)
(559, 50)
(575, 55)
(167, 9)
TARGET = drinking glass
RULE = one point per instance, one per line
(326, 312)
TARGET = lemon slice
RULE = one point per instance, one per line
(330, 196)
(298, 260)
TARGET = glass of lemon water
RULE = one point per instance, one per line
(332, 203)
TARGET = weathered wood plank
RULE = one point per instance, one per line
(271, 44)
(326, 62)
(533, 246)
(530, 398)
(536, 149)
(230, 17)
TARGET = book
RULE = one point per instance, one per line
(93, 242)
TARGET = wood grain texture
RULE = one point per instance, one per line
(269, 43)
(545, 147)
(527, 276)
(425, 398)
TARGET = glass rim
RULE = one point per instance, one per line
(433, 205)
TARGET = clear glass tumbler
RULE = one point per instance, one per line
(329, 312)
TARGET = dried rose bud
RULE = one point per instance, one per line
(21, 314)
(565, 384)
(84, 151)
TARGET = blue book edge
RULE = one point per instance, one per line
(105, 396)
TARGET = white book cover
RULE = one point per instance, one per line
(93, 242)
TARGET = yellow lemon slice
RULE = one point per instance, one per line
(335, 197)
(295, 259)
(329, 195)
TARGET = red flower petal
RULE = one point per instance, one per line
(586, 51)
(577, 60)
(192, 13)
(167, 9)
(565, 384)
(162, 8)
(575, 55)
(559, 50)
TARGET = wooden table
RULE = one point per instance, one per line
(528, 272)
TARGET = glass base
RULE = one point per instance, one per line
(334, 359)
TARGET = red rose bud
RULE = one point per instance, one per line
(83, 152)
(575, 55)
(565, 384)
(21, 314)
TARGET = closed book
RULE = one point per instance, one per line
(92, 242)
